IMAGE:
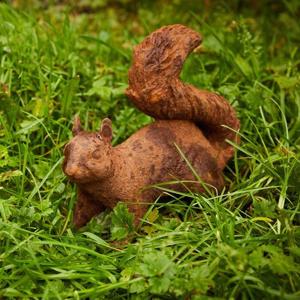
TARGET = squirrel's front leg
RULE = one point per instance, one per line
(85, 209)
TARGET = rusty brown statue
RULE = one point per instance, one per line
(188, 126)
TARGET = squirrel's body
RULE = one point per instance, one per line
(150, 156)
(190, 143)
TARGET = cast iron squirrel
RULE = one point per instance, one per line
(187, 120)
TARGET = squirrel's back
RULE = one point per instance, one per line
(170, 149)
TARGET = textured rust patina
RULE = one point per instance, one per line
(186, 118)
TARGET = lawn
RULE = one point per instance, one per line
(57, 60)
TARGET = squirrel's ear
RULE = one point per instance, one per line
(106, 130)
(76, 125)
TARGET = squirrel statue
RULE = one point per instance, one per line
(187, 140)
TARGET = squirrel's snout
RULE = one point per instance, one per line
(70, 171)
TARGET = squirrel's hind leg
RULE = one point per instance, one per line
(138, 209)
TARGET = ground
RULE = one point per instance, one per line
(57, 60)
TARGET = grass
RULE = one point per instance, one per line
(58, 60)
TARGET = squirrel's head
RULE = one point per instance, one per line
(88, 156)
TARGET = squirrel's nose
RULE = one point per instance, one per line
(70, 170)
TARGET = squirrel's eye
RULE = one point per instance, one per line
(98, 136)
(96, 154)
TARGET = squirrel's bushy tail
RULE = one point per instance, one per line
(155, 87)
